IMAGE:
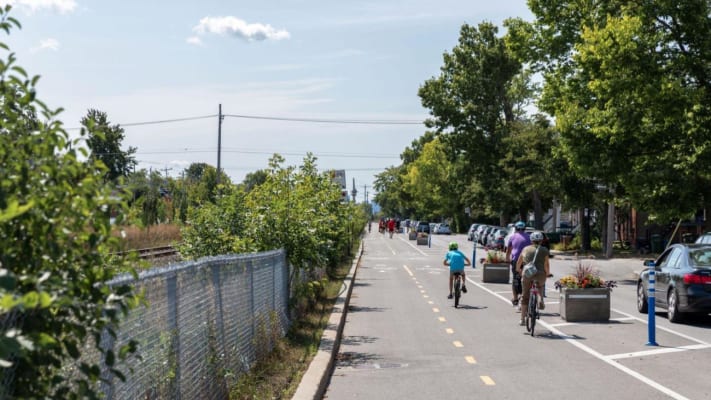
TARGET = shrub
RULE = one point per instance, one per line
(55, 241)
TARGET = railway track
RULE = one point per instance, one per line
(153, 252)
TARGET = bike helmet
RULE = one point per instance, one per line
(453, 245)
(537, 236)
(520, 225)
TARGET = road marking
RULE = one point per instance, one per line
(658, 351)
(435, 309)
(470, 359)
(457, 343)
(644, 321)
(442, 319)
(564, 324)
(450, 331)
(391, 249)
(576, 342)
(430, 302)
(487, 380)
(408, 271)
(419, 286)
(426, 296)
(423, 291)
(622, 319)
(413, 246)
(381, 265)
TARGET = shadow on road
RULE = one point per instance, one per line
(466, 307)
(353, 308)
(357, 340)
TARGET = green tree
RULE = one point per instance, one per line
(55, 245)
(104, 142)
(628, 83)
(475, 102)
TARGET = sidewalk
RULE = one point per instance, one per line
(617, 269)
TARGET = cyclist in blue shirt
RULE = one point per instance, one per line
(456, 260)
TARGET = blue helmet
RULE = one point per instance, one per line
(520, 225)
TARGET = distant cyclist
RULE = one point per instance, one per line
(456, 260)
(542, 263)
(514, 246)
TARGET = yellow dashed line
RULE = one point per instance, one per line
(487, 380)
(435, 309)
(470, 359)
(457, 343)
(450, 331)
(442, 319)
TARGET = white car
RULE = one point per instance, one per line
(442, 229)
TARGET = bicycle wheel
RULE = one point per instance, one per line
(531, 314)
(457, 290)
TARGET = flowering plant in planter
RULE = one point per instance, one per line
(585, 276)
(495, 257)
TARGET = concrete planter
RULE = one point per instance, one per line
(589, 305)
(422, 239)
(412, 235)
(496, 273)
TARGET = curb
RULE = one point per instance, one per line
(315, 380)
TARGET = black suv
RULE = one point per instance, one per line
(423, 226)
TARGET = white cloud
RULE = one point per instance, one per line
(31, 6)
(46, 44)
(236, 27)
(194, 40)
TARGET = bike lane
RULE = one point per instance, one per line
(404, 339)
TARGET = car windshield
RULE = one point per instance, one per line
(700, 257)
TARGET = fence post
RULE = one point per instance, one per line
(172, 295)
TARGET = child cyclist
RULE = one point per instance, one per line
(456, 260)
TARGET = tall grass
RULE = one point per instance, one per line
(154, 236)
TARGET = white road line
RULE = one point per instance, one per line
(414, 247)
(644, 321)
(408, 271)
(575, 342)
(657, 351)
(391, 249)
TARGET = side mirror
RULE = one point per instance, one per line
(649, 263)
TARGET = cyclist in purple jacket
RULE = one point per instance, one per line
(514, 246)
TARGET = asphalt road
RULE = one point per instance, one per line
(403, 338)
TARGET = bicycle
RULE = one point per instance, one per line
(457, 288)
(532, 313)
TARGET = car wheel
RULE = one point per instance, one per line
(642, 302)
(673, 307)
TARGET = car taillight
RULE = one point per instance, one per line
(693, 279)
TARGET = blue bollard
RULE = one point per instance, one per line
(474, 257)
(651, 328)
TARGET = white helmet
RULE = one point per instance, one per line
(537, 236)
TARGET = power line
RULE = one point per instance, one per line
(274, 118)
(329, 121)
(162, 121)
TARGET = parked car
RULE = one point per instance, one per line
(472, 230)
(442, 229)
(423, 226)
(495, 239)
(705, 238)
(479, 232)
(683, 281)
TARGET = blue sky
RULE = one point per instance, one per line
(155, 60)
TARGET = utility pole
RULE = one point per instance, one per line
(354, 192)
(166, 169)
(365, 194)
(219, 141)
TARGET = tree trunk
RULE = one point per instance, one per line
(585, 229)
(610, 229)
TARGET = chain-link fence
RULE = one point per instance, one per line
(202, 325)
(205, 322)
